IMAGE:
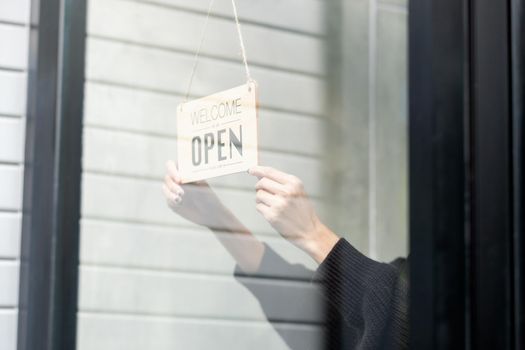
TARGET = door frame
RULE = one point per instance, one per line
(466, 174)
(52, 176)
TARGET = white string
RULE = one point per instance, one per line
(196, 57)
(203, 35)
(241, 41)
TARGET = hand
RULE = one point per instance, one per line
(283, 202)
(198, 203)
(195, 202)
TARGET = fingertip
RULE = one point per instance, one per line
(254, 170)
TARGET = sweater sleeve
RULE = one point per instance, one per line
(366, 300)
(370, 296)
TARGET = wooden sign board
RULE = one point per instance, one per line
(217, 134)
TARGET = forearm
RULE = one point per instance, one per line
(242, 245)
(248, 251)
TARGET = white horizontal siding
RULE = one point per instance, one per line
(10, 229)
(8, 326)
(301, 15)
(12, 134)
(168, 71)
(119, 244)
(166, 293)
(15, 11)
(174, 29)
(130, 109)
(13, 92)
(110, 332)
(9, 271)
(14, 41)
(10, 187)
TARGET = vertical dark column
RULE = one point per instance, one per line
(438, 54)
(49, 260)
(466, 115)
(518, 126)
(491, 178)
(69, 173)
(39, 200)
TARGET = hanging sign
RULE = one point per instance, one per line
(217, 134)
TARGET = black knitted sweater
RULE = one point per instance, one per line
(366, 301)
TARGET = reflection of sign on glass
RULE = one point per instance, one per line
(217, 134)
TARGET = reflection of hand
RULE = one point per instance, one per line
(198, 203)
(195, 202)
(283, 202)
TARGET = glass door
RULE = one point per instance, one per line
(234, 265)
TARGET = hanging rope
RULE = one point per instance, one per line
(198, 52)
(241, 42)
(203, 35)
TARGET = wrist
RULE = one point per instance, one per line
(228, 222)
(321, 243)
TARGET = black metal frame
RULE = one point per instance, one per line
(466, 174)
(438, 78)
(518, 90)
(491, 296)
(50, 232)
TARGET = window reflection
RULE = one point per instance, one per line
(332, 81)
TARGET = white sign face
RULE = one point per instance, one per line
(217, 134)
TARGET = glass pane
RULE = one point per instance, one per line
(291, 264)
